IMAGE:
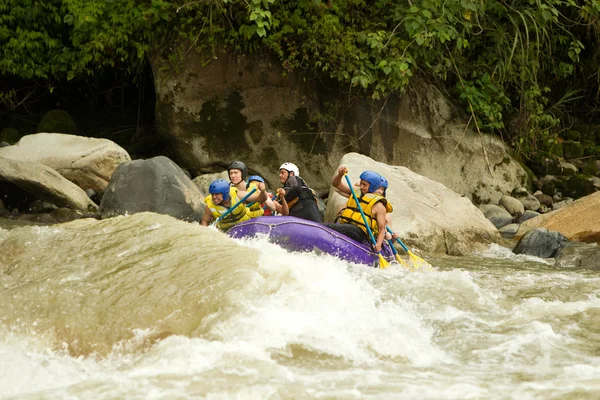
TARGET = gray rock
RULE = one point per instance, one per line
(579, 255)
(568, 169)
(530, 202)
(528, 215)
(519, 192)
(541, 242)
(45, 183)
(4, 144)
(509, 230)
(157, 185)
(512, 205)
(204, 181)
(496, 215)
(87, 162)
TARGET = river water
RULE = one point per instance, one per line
(148, 307)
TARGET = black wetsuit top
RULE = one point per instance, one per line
(304, 204)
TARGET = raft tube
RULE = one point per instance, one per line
(295, 234)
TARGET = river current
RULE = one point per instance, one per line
(148, 307)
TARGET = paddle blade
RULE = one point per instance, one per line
(417, 261)
(401, 261)
(382, 262)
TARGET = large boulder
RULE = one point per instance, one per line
(156, 185)
(426, 214)
(578, 221)
(204, 181)
(87, 162)
(541, 243)
(45, 183)
(245, 107)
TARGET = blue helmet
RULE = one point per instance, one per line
(256, 178)
(220, 186)
(384, 184)
(373, 178)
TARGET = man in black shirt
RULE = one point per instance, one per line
(301, 199)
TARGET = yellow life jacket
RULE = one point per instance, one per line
(351, 214)
(255, 209)
(239, 214)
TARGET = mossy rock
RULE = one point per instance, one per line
(572, 134)
(555, 149)
(590, 167)
(572, 149)
(580, 185)
(57, 121)
(10, 135)
(591, 151)
(542, 165)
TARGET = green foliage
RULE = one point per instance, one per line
(508, 61)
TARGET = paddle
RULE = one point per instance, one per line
(382, 262)
(416, 260)
(226, 213)
(398, 258)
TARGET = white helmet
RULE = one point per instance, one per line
(288, 166)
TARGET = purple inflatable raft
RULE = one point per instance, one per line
(297, 234)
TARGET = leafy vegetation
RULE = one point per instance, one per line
(521, 67)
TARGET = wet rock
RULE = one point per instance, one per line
(157, 185)
(527, 215)
(512, 205)
(496, 215)
(65, 215)
(579, 255)
(541, 242)
(39, 206)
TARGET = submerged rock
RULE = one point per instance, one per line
(579, 255)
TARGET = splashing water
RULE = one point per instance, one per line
(145, 306)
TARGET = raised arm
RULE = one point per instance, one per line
(258, 197)
(338, 182)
